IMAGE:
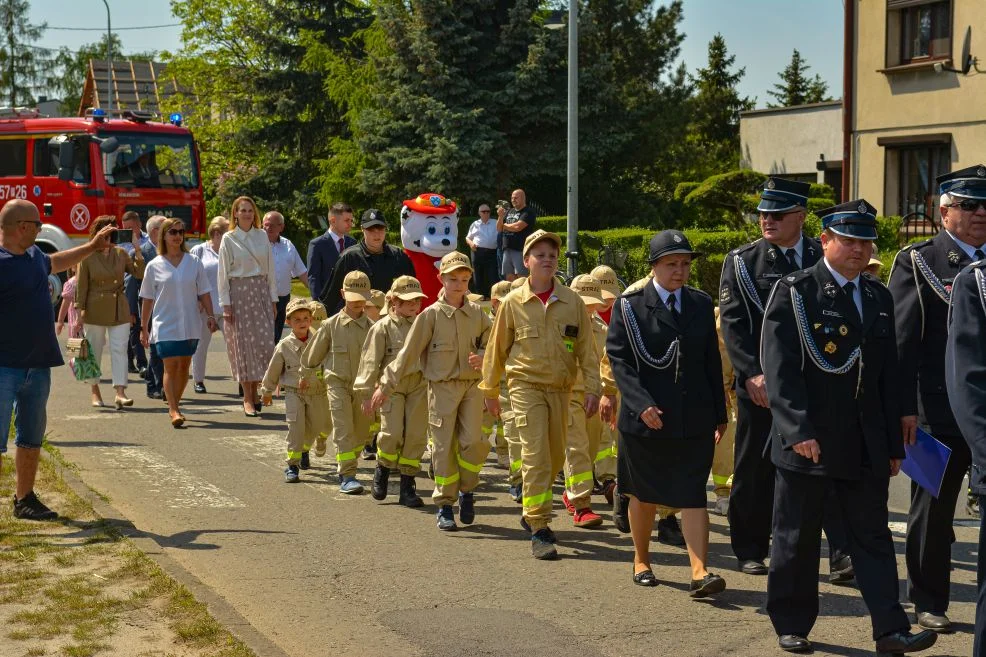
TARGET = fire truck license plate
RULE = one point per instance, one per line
(13, 191)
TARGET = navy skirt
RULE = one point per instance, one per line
(176, 348)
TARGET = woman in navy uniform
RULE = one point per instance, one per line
(664, 351)
(965, 376)
(836, 425)
(921, 281)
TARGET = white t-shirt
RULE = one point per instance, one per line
(175, 292)
(210, 262)
(483, 235)
(287, 265)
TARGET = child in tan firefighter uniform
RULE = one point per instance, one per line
(542, 335)
(304, 392)
(605, 459)
(336, 349)
(448, 339)
(491, 427)
(404, 417)
(584, 433)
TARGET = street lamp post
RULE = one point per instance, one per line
(573, 132)
(109, 59)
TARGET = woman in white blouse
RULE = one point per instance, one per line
(248, 295)
(173, 287)
(208, 255)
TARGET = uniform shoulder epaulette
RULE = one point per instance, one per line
(700, 292)
(797, 277)
(978, 264)
(915, 245)
(746, 247)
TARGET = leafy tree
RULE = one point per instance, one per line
(23, 66)
(796, 88)
(714, 130)
(74, 65)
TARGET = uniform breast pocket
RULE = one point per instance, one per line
(881, 328)
(441, 354)
(340, 360)
(526, 333)
(569, 335)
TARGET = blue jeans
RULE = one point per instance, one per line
(24, 394)
(155, 372)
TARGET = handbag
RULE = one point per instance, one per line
(77, 347)
(85, 366)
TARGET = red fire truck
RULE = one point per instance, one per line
(77, 168)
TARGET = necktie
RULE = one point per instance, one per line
(342, 245)
(849, 288)
(979, 255)
(673, 307)
(792, 257)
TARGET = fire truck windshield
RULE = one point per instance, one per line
(151, 160)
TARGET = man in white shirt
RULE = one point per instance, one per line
(481, 238)
(287, 266)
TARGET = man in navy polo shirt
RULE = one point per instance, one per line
(28, 349)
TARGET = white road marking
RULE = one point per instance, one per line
(95, 416)
(180, 488)
(263, 446)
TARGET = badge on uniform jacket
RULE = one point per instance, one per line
(843, 330)
(953, 257)
(571, 331)
(830, 348)
(829, 289)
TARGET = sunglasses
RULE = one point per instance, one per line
(776, 216)
(969, 205)
(176, 231)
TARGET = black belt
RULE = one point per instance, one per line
(479, 249)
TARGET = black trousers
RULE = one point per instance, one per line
(135, 350)
(155, 372)
(979, 641)
(751, 500)
(929, 533)
(792, 583)
(282, 307)
(487, 273)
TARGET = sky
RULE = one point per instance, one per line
(761, 33)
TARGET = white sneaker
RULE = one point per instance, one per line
(721, 506)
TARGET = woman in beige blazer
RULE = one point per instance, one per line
(103, 307)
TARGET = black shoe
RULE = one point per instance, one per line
(645, 578)
(708, 585)
(132, 369)
(549, 535)
(446, 519)
(669, 532)
(200, 388)
(516, 493)
(368, 454)
(379, 488)
(928, 620)
(543, 545)
(291, 474)
(467, 508)
(409, 494)
(621, 506)
(901, 642)
(155, 394)
(841, 570)
(142, 372)
(306, 461)
(753, 567)
(31, 508)
(794, 643)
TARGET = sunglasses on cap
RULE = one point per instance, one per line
(969, 204)
(176, 231)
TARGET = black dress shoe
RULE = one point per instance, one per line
(753, 567)
(200, 388)
(900, 642)
(669, 532)
(935, 622)
(645, 578)
(155, 394)
(794, 643)
(708, 585)
(841, 570)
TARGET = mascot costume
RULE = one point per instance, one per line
(429, 230)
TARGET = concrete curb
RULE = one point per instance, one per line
(222, 611)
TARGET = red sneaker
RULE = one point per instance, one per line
(586, 518)
(568, 505)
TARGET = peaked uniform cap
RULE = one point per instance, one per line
(356, 286)
(855, 219)
(500, 289)
(670, 242)
(371, 218)
(452, 261)
(781, 195)
(538, 236)
(964, 183)
(378, 298)
(297, 304)
(588, 289)
(608, 282)
(407, 288)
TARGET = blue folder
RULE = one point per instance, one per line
(926, 461)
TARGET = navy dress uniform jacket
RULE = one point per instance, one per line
(921, 282)
(855, 418)
(965, 365)
(695, 403)
(322, 257)
(743, 296)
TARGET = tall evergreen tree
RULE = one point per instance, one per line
(714, 131)
(795, 87)
(24, 68)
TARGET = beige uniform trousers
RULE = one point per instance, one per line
(404, 426)
(459, 449)
(541, 420)
(722, 461)
(511, 437)
(350, 429)
(307, 416)
(605, 459)
(580, 448)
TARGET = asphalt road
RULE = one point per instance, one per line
(320, 573)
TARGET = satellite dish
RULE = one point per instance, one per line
(966, 62)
